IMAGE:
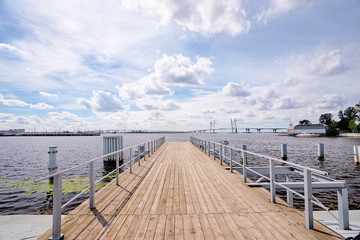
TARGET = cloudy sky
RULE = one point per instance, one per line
(176, 65)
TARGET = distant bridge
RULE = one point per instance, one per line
(248, 130)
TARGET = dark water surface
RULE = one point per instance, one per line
(24, 158)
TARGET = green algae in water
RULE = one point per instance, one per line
(69, 185)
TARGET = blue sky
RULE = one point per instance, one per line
(176, 65)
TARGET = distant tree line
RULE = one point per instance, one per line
(347, 121)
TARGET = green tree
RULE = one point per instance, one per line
(304, 122)
(352, 125)
(332, 128)
(326, 118)
(345, 117)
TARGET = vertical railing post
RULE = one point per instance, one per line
(144, 151)
(214, 151)
(138, 157)
(117, 168)
(209, 148)
(131, 158)
(231, 160)
(221, 153)
(244, 165)
(205, 147)
(309, 222)
(92, 185)
(343, 209)
(148, 149)
(289, 194)
(272, 181)
(56, 224)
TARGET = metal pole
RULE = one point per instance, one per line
(92, 183)
(272, 181)
(231, 163)
(209, 148)
(244, 163)
(148, 149)
(214, 151)
(343, 209)
(52, 158)
(205, 147)
(289, 194)
(117, 168)
(56, 228)
(221, 152)
(144, 151)
(357, 154)
(283, 149)
(131, 158)
(320, 151)
(309, 222)
(138, 155)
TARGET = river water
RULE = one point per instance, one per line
(23, 159)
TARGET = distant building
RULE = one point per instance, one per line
(311, 129)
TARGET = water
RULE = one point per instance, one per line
(24, 158)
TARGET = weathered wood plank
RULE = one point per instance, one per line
(181, 193)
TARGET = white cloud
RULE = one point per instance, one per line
(232, 89)
(287, 103)
(278, 7)
(41, 106)
(12, 102)
(45, 94)
(207, 17)
(328, 64)
(331, 101)
(169, 106)
(180, 70)
(20, 103)
(102, 101)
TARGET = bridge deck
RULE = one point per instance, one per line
(180, 193)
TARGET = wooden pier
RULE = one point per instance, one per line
(181, 193)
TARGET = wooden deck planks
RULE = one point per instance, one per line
(181, 193)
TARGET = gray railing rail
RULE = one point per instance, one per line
(153, 145)
(323, 182)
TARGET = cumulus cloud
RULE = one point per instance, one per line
(45, 94)
(207, 17)
(328, 64)
(232, 89)
(40, 106)
(287, 103)
(278, 7)
(331, 101)
(169, 70)
(12, 102)
(180, 70)
(20, 103)
(102, 101)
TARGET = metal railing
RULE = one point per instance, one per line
(269, 173)
(152, 146)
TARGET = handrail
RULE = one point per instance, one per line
(91, 160)
(308, 173)
(153, 145)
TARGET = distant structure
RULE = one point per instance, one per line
(212, 126)
(233, 125)
(290, 129)
(311, 129)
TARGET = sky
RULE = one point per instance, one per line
(176, 65)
